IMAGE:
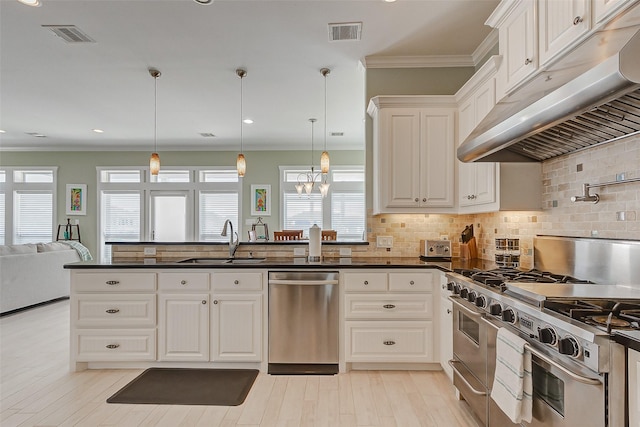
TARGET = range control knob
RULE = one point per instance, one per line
(509, 315)
(450, 286)
(547, 335)
(495, 309)
(481, 301)
(456, 289)
(464, 292)
(471, 297)
(569, 346)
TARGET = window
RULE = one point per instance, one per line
(27, 205)
(342, 210)
(185, 204)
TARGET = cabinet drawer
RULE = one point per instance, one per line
(183, 281)
(102, 345)
(388, 306)
(422, 282)
(396, 341)
(235, 281)
(113, 311)
(113, 282)
(365, 282)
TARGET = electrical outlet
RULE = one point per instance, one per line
(76, 221)
(299, 252)
(345, 251)
(149, 251)
(384, 241)
(444, 237)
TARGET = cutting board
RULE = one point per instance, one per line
(469, 250)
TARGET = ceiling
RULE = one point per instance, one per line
(63, 91)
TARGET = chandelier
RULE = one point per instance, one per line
(307, 180)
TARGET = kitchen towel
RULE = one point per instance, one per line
(512, 385)
(315, 242)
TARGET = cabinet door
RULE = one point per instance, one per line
(437, 157)
(485, 181)
(400, 154)
(236, 325)
(633, 380)
(560, 24)
(603, 9)
(466, 119)
(183, 329)
(467, 183)
(446, 335)
(518, 43)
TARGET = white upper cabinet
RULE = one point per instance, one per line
(519, 43)
(413, 154)
(561, 24)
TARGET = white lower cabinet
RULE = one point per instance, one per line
(389, 316)
(633, 381)
(446, 335)
(115, 345)
(236, 325)
(183, 327)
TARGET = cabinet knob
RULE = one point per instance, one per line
(424, 199)
(112, 311)
(204, 301)
(215, 301)
(236, 282)
(389, 306)
(112, 282)
(112, 346)
(473, 196)
(417, 199)
(527, 61)
(412, 283)
(448, 311)
(577, 20)
(183, 282)
(388, 342)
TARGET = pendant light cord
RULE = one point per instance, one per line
(155, 115)
(325, 111)
(241, 97)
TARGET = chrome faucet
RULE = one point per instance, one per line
(233, 245)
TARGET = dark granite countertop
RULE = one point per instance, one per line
(630, 339)
(279, 263)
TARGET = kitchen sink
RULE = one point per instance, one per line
(222, 261)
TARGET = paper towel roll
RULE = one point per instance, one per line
(315, 243)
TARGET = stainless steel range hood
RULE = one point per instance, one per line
(599, 106)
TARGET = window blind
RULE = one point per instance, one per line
(33, 216)
(301, 212)
(121, 216)
(215, 209)
(348, 214)
(2, 226)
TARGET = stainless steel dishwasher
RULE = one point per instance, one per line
(303, 322)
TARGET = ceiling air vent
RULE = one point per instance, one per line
(345, 31)
(69, 33)
(337, 133)
(207, 135)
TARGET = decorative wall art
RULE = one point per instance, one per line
(261, 200)
(76, 199)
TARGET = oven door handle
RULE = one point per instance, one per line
(465, 309)
(464, 380)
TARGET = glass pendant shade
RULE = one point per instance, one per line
(154, 163)
(241, 165)
(324, 162)
(299, 188)
(324, 189)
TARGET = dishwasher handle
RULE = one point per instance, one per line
(302, 282)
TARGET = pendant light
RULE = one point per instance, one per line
(154, 161)
(324, 158)
(307, 180)
(241, 162)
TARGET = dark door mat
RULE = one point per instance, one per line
(173, 386)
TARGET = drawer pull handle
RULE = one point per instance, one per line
(112, 282)
(389, 306)
(527, 61)
(388, 342)
(236, 282)
(577, 20)
(112, 346)
(183, 282)
(412, 283)
(366, 282)
(113, 310)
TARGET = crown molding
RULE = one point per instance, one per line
(423, 61)
(484, 48)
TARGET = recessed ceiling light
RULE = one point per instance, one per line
(3, 131)
(36, 134)
(390, 1)
(203, 1)
(98, 130)
(247, 121)
(35, 3)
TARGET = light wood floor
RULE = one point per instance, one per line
(37, 389)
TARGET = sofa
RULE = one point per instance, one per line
(31, 274)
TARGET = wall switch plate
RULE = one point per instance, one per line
(345, 251)
(384, 241)
(299, 252)
(149, 251)
(76, 221)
